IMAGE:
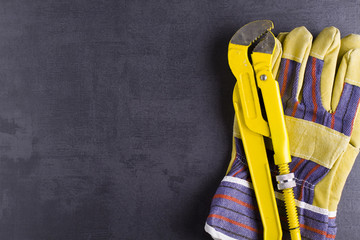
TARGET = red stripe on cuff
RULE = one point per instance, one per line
(233, 222)
(297, 165)
(317, 231)
(234, 175)
(305, 178)
(235, 200)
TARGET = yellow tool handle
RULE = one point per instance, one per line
(274, 112)
(242, 69)
(260, 172)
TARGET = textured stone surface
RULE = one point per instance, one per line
(116, 116)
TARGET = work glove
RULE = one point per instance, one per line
(320, 88)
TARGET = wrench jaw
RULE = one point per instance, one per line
(253, 37)
(251, 32)
(266, 44)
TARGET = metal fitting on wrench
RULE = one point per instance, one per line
(286, 181)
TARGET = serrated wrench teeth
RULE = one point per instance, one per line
(251, 32)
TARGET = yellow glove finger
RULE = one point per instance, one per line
(282, 36)
(349, 42)
(348, 72)
(348, 69)
(326, 47)
(296, 47)
(347, 95)
(276, 59)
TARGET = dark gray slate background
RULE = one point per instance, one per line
(116, 116)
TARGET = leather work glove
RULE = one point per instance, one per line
(320, 88)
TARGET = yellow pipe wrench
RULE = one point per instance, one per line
(250, 53)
